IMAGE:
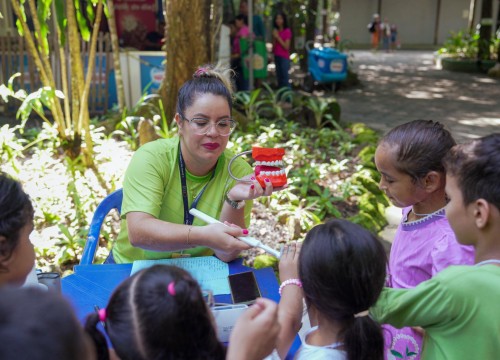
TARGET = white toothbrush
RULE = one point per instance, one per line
(246, 239)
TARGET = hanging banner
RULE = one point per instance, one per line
(134, 20)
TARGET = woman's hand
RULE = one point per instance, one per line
(276, 34)
(250, 190)
(222, 239)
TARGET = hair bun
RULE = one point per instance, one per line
(203, 71)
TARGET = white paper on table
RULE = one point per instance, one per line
(210, 272)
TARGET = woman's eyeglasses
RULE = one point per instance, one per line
(202, 126)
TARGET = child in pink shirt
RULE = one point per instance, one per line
(409, 159)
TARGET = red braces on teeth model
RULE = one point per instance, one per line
(268, 165)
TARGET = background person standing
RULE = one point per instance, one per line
(282, 36)
(374, 29)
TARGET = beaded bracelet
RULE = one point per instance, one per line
(290, 282)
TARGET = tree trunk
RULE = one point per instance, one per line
(84, 119)
(485, 30)
(189, 44)
(46, 75)
(77, 81)
(115, 46)
(472, 14)
(310, 29)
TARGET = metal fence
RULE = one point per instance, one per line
(14, 58)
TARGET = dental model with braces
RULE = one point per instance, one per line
(268, 165)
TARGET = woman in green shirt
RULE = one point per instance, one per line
(168, 177)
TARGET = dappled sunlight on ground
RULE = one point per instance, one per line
(423, 95)
(482, 122)
(406, 85)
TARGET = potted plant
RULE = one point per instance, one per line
(460, 53)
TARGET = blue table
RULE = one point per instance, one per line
(92, 285)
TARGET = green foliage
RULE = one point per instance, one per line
(249, 104)
(10, 147)
(147, 107)
(363, 134)
(64, 193)
(460, 44)
(322, 110)
(29, 102)
(465, 45)
(263, 261)
(329, 174)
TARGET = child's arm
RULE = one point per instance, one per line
(290, 309)
(430, 303)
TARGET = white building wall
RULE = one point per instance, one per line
(415, 20)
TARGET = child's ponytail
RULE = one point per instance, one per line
(342, 268)
(97, 337)
(363, 339)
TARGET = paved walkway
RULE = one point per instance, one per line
(406, 85)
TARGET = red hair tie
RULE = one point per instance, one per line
(171, 288)
(201, 72)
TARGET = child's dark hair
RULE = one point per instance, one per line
(421, 146)
(206, 80)
(16, 211)
(242, 17)
(285, 21)
(159, 313)
(342, 267)
(476, 165)
(38, 325)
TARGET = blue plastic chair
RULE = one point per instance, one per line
(110, 202)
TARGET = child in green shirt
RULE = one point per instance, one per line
(458, 308)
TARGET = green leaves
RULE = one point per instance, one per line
(43, 14)
(62, 20)
(82, 22)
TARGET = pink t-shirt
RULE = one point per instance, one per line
(420, 250)
(243, 32)
(279, 50)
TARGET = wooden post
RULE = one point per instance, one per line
(436, 23)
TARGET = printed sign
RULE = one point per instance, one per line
(134, 20)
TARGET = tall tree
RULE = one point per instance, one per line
(115, 46)
(72, 121)
(486, 23)
(192, 29)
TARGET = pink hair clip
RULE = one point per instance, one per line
(102, 315)
(171, 288)
(201, 72)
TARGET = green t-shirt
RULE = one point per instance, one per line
(152, 185)
(459, 310)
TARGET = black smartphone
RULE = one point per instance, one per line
(244, 288)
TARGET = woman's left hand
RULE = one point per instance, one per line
(249, 190)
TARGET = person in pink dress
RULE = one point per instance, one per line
(409, 159)
(282, 36)
(242, 31)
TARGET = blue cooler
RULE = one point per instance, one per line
(327, 65)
